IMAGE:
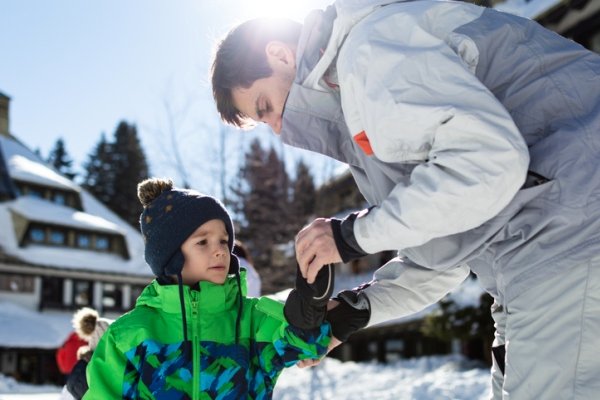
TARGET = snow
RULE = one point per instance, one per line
(26, 166)
(30, 171)
(23, 328)
(426, 378)
(40, 210)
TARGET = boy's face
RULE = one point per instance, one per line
(206, 254)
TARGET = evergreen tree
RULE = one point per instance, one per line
(303, 197)
(113, 171)
(130, 167)
(467, 323)
(99, 173)
(263, 200)
(60, 159)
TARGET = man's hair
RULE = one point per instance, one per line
(240, 59)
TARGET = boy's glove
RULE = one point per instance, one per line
(350, 315)
(306, 305)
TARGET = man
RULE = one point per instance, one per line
(475, 136)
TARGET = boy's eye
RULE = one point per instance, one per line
(224, 241)
(202, 242)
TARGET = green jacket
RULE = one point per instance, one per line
(143, 353)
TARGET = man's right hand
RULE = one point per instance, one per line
(315, 247)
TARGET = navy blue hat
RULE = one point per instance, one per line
(170, 216)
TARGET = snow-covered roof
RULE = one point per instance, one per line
(527, 8)
(25, 328)
(40, 210)
(25, 165)
(65, 257)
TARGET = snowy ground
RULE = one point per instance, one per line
(427, 378)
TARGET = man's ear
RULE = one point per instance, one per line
(280, 55)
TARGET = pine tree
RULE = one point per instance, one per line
(263, 198)
(130, 167)
(113, 171)
(60, 159)
(467, 323)
(303, 197)
(99, 173)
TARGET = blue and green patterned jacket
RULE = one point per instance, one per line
(143, 354)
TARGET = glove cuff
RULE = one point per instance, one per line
(352, 313)
(345, 241)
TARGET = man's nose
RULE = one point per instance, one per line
(274, 123)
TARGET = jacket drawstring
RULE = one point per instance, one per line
(239, 313)
(182, 301)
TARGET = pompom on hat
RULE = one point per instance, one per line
(89, 326)
(170, 216)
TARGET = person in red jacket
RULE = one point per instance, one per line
(66, 355)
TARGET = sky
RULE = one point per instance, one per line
(75, 69)
(426, 378)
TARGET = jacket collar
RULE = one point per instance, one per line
(210, 297)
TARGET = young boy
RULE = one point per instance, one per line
(193, 334)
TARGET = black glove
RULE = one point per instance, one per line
(353, 313)
(306, 305)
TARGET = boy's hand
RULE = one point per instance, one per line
(306, 305)
(311, 362)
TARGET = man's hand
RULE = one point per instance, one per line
(315, 247)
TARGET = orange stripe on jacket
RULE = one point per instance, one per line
(363, 142)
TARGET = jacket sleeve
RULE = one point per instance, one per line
(408, 97)
(286, 344)
(401, 288)
(105, 372)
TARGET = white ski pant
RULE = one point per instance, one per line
(551, 335)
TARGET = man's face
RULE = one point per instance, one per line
(206, 254)
(264, 100)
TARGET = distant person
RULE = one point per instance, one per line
(252, 277)
(192, 334)
(89, 327)
(475, 137)
(66, 355)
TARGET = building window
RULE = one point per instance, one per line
(59, 198)
(37, 235)
(82, 293)
(34, 192)
(83, 240)
(52, 292)
(57, 237)
(112, 296)
(16, 283)
(102, 242)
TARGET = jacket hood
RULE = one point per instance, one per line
(347, 13)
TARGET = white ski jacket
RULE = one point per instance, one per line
(437, 108)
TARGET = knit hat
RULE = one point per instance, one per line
(170, 216)
(89, 326)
